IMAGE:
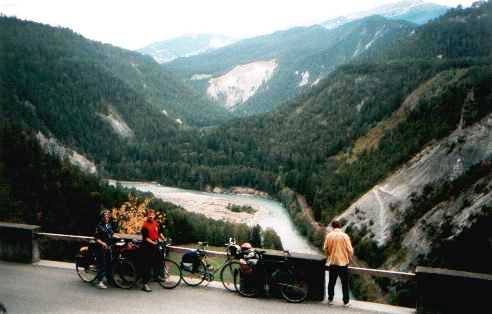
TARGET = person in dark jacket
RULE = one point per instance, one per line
(104, 238)
(150, 256)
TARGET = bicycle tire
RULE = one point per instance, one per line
(194, 278)
(86, 268)
(249, 291)
(124, 274)
(294, 289)
(227, 275)
(171, 274)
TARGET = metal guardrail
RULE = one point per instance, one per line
(382, 273)
(82, 239)
(354, 270)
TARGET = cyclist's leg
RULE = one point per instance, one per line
(332, 280)
(157, 262)
(344, 277)
(108, 259)
(101, 265)
(145, 263)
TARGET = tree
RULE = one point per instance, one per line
(255, 236)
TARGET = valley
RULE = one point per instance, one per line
(269, 213)
(381, 121)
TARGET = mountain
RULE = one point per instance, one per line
(185, 46)
(89, 99)
(399, 149)
(413, 11)
(258, 74)
(67, 52)
(396, 144)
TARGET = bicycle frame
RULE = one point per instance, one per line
(274, 273)
(210, 272)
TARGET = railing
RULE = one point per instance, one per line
(382, 273)
(438, 290)
(179, 249)
(77, 238)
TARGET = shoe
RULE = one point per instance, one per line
(146, 288)
(346, 304)
(101, 285)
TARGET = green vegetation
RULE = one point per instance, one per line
(59, 83)
(295, 146)
(241, 208)
(37, 188)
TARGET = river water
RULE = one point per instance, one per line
(269, 213)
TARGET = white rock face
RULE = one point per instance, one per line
(304, 78)
(238, 85)
(462, 149)
(52, 146)
(378, 34)
(199, 77)
(117, 123)
(316, 81)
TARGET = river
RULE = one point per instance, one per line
(269, 213)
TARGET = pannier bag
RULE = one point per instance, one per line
(244, 267)
(190, 261)
(247, 266)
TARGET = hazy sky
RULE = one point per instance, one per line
(134, 24)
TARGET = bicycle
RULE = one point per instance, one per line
(86, 264)
(199, 270)
(169, 276)
(123, 270)
(257, 274)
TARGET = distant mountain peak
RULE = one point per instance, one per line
(415, 11)
(186, 46)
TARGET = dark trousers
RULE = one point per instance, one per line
(341, 271)
(103, 261)
(150, 262)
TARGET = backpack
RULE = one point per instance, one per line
(190, 261)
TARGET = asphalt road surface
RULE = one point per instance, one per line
(40, 289)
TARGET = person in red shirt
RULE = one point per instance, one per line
(149, 251)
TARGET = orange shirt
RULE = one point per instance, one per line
(338, 248)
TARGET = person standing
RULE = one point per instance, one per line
(103, 236)
(339, 253)
(150, 256)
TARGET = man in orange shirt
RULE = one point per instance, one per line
(339, 252)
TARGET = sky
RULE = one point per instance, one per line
(135, 24)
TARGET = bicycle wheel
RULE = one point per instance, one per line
(227, 275)
(85, 265)
(194, 277)
(124, 273)
(171, 276)
(294, 289)
(245, 284)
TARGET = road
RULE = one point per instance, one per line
(40, 289)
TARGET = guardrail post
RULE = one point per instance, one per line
(449, 291)
(18, 243)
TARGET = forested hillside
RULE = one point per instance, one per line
(38, 188)
(48, 69)
(302, 145)
(335, 144)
